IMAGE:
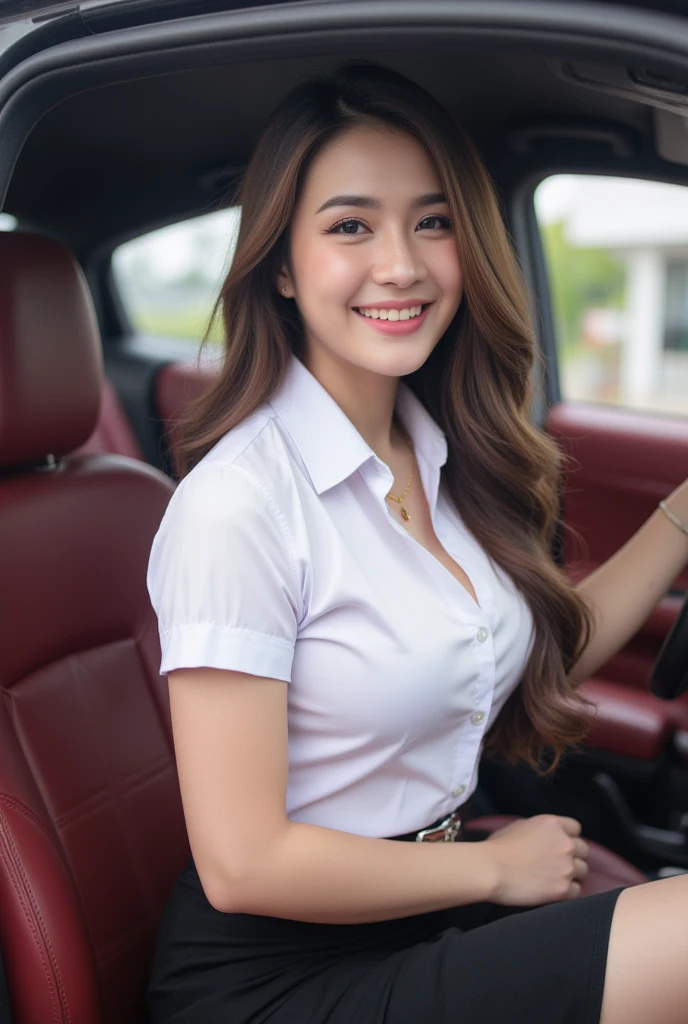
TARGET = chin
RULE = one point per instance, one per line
(398, 363)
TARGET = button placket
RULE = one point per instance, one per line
(473, 729)
(467, 749)
(484, 692)
(470, 735)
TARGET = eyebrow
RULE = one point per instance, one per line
(367, 203)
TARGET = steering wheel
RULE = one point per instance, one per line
(669, 675)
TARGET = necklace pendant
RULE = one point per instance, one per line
(404, 514)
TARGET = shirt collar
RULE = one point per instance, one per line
(328, 442)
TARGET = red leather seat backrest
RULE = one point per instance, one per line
(112, 432)
(177, 385)
(91, 825)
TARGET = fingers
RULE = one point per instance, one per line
(570, 826)
(580, 868)
(581, 849)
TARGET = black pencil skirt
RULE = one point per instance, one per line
(474, 964)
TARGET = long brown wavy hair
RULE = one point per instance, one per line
(502, 473)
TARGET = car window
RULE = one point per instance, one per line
(617, 259)
(169, 279)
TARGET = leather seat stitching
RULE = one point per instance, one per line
(21, 808)
(44, 933)
(11, 860)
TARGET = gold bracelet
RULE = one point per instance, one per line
(674, 518)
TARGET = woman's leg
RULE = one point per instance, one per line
(647, 962)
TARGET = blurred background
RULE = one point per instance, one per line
(617, 258)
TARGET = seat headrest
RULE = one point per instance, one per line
(51, 368)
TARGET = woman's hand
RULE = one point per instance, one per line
(538, 860)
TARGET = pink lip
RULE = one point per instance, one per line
(396, 326)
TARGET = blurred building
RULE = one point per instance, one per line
(646, 224)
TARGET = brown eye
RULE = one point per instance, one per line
(347, 227)
(434, 223)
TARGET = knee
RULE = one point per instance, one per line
(646, 976)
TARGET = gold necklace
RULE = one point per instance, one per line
(404, 514)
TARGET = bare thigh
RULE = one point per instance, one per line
(647, 962)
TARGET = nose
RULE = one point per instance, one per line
(397, 260)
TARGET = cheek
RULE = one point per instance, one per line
(447, 270)
(327, 273)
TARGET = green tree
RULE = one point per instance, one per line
(580, 279)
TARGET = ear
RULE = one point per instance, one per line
(285, 285)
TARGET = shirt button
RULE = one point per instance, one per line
(482, 635)
(458, 790)
(477, 717)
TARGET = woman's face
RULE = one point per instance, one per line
(374, 267)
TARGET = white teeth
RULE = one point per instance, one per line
(391, 314)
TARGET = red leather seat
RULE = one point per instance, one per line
(112, 432)
(91, 826)
(177, 385)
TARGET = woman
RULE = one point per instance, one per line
(356, 597)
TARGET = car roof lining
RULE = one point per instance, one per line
(109, 144)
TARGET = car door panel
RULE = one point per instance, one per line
(619, 465)
(627, 722)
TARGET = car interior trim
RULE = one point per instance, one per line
(661, 40)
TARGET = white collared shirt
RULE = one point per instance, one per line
(278, 556)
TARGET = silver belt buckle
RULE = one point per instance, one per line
(446, 832)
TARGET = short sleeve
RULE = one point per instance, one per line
(222, 577)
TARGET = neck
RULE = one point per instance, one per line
(366, 398)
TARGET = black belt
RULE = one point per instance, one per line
(445, 830)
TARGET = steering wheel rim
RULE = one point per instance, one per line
(669, 675)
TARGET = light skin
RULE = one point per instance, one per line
(348, 255)
(250, 857)
(372, 226)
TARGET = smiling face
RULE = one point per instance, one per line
(374, 266)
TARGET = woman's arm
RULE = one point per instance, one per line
(230, 734)
(623, 592)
